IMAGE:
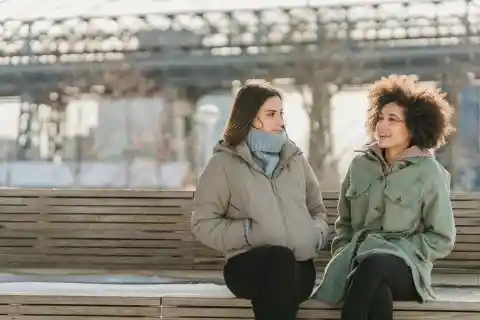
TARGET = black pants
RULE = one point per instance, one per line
(377, 281)
(272, 279)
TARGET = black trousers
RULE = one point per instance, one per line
(272, 279)
(377, 281)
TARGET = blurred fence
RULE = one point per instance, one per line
(108, 143)
(137, 174)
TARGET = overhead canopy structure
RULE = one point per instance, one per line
(82, 41)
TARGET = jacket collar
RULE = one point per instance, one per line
(288, 151)
(413, 154)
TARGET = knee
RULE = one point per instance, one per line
(381, 306)
(371, 267)
(383, 295)
(281, 257)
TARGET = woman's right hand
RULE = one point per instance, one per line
(254, 234)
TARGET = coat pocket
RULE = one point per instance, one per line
(235, 212)
(358, 197)
(403, 208)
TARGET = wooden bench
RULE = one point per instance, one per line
(147, 232)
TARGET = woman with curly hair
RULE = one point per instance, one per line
(395, 217)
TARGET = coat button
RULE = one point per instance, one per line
(379, 209)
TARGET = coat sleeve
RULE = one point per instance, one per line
(315, 205)
(343, 225)
(437, 239)
(210, 204)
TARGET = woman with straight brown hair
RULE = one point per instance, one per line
(259, 203)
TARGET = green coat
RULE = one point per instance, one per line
(403, 210)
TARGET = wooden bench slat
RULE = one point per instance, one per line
(90, 260)
(150, 193)
(104, 226)
(448, 299)
(109, 202)
(70, 317)
(81, 300)
(333, 316)
(31, 307)
(79, 310)
(95, 193)
(456, 196)
(169, 211)
(88, 234)
(185, 226)
(128, 217)
(90, 218)
(237, 313)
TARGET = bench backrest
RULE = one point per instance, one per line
(147, 230)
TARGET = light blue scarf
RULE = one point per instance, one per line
(266, 148)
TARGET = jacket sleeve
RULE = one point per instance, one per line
(315, 205)
(343, 226)
(437, 239)
(210, 204)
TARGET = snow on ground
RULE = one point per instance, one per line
(169, 289)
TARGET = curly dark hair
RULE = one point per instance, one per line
(427, 113)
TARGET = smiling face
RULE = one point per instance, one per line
(270, 116)
(391, 131)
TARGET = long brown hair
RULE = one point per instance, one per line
(247, 103)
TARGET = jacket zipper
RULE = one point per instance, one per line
(274, 188)
(275, 174)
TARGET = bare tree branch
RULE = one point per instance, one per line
(326, 74)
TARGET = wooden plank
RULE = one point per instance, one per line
(91, 260)
(331, 204)
(149, 193)
(240, 313)
(96, 310)
(457, 196)
(448, 299)
(69, 317)
(30, 226)
(80, 300)
(89, 234)
(400, 315)
(137, 202)
(40, 307)
(103, 218)
(171, 211)
(114, 252)
(102, 243)
(95, 193)
(140, 226)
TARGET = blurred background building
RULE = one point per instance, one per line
(135, 94)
